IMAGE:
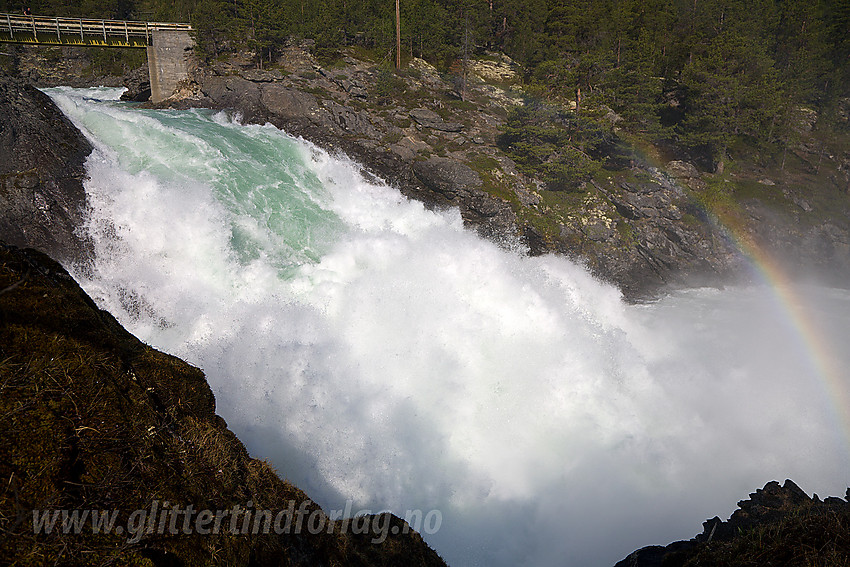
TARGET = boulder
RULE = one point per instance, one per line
(138, 85)
(350, 120)
(446, 176)
(42, 167)
(430, 119)
(682, 170)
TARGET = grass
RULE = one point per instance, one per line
(811, 536)
(493, 179)
(392, 138)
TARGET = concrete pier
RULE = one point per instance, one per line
(168, 61)
(169, 45)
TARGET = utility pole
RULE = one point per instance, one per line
(465, 54)
(397, 37)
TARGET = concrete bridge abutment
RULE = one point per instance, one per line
(168, 61)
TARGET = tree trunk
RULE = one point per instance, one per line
(397, 37)
(618, 53)
(465, 56)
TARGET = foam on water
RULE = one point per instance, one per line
(375, 350)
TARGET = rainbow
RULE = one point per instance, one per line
(767, 271)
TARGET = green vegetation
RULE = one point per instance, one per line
(494, 181)
(554, 144)
(704, 75)
(113, 61)
(389, 85)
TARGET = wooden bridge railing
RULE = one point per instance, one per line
(17, 28)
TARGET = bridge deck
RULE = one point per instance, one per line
(16, 28)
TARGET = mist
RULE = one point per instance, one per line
(374, 350)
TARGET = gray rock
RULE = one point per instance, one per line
(262, 76)
(291, 107)
(446, 176)
(138, 84)
(351, 120)
(359, 92)
(424, 115)
(430, 119)
(682, 170)
(403, 151)
(598, 232)
(236, 93)
(42, 157)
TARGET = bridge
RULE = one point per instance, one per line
(168, 45)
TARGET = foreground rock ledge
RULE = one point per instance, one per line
(777, 525)
(93, 419)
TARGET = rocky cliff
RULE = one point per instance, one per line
(94, 420)
(53, 65)
(42, 167)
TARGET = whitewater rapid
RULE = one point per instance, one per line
(376, 351)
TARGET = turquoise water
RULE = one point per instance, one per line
(271, 196)
(376, 351)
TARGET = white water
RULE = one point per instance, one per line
(377, 351)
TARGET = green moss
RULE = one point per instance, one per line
(626, 231)
(393, 138)
(494, 181)
(463, 105)
(556, 209)
(483, 163)
(320, 92)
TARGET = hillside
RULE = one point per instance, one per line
(643, 217)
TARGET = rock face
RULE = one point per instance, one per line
(138, 84)
(95, 420)
(777, 525)
(648, 232)
(430, 119)
(638, 225)
(446, 176)
(42, 157)
(445, 154)
(52, 66)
